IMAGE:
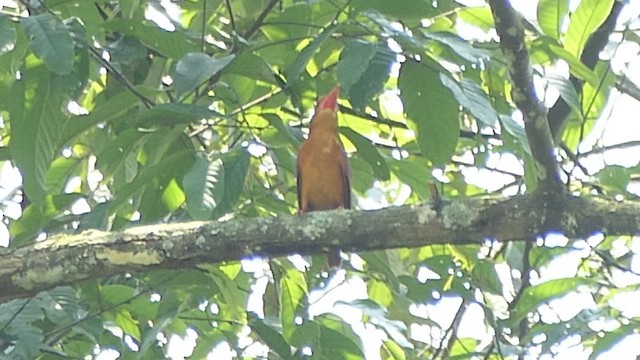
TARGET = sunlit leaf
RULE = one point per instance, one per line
(459, 45)
(174, 114)
(615, 178)
(587, 17)
(567, 91)
(236, 168)
(8, 35)
(293, 71)
(271, 337)
(204, 187)
(111, 110)
(577, 67)
(537, 295)
(362, 70)
(51, 41)
(194, 68)
(405, 9)
(36, 125)
(470, 96)
(293, 292)
(368, 152)
(551, 14)
(480, 17)
(432, 112)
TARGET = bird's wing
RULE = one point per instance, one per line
(346, 179)
(299, 181)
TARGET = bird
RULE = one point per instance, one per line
(323, 171)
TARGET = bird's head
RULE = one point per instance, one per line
(326, 115)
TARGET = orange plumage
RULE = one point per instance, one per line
(324, 175)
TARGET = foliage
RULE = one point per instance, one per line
(119, 113)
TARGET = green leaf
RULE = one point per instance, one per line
(328, 338)
(51, 41)
(129, 7)
(471, 97)
(486, 277)
(281, 133)
(377, 314)
(432, 111)
(232, 297)
(236, 167)
(379, 292)
(59, 173)
(368, 152)
(171, 44)
(144, 177)
(117, 153)
(594, 99)
(5, 153)
(614, 177)
(115, 294)
(252, 66)
(294, 70)
(35, 126)
(459, 45)
(517, 131)
(611, 338)
(401, 9)
(293, 292)
(195, 68)
(171, 310)
(338, 341)
(174, 114)
(271, 337)
(378, 263)
(114, 108)
(28, 337)
(589, 15)
(480, 17)
(8, 35)
(393, 351)
(353, 62)
(576, 67)
(567, 91)
(127, 323)
(414, 174)
(374, 74)
(204, 186)
(543, 293)
(551, 15)
(27, 226)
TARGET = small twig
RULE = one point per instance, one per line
(603, 149)
(450, 334)
(575, 158)
(231, 18)
(260, 19)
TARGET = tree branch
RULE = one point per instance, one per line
(66, 259)
(509, 28)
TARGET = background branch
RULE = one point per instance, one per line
(509, 28)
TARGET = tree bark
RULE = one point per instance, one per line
(516, 54)
(66, 259)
